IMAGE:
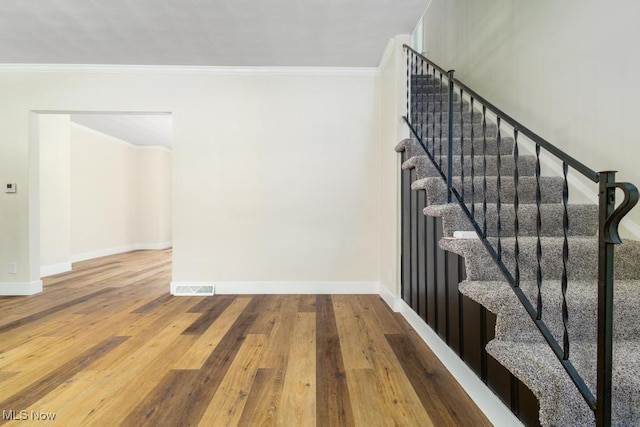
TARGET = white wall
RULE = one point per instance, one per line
(104, 193)
(392, 93)
(154, 197)
(567, 70)
(275, 176)
(276, 180)
(55, 197)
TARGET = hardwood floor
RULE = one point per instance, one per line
(107, 345)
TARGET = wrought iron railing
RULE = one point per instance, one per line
(444, 88)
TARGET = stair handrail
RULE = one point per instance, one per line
(608, 221)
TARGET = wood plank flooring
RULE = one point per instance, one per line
(107, 345)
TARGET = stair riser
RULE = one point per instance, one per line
(551, 189)
(491, 148)
(427, 80)
(425, 117)
(583, 220)
(417, 101)
(514, 323)
(486, 166)
(421, 98)
(438, 131)
(436, 107)
(582, 324)
(581, 264)
(437, 104)
(422, 90)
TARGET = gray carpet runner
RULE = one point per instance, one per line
(518, 345)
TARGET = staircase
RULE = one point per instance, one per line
(547, 246)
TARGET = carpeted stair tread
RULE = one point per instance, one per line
(582, 263)
(560, 402)
(436, 98)
(411, 147)
(435, 104)
(431, 87)
(435, 94)
(429, 117)
(436, 189)
(490, 149)
(506, 146)
(425, 168)
(435, 129)
(441, 129)
(582, 300)
(583, 219)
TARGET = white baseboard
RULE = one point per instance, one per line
(154, 246)
(50, 270)
(493, 408)
(244, 288)
(297, 287)
(21, 289)
(118, 250)
(101, 252)
(391, 300)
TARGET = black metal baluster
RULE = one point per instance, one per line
(538, 232)
(414, 70)
(565, 258)
(498, 190)
(408, 85)
(423, 93)
(450, 140)
(516, 203)
(426, 109)
(440, 130)
(473, 160)
(433, 124)
(433, 112)
(461, 148)
(430, 111)
(484, 171)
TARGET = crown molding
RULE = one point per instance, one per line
(189, 69)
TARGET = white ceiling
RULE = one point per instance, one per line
(344, 33)
(137, 129)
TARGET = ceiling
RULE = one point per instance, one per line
(137, 129)
(337, 33)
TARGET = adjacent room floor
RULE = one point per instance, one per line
(107, 345)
